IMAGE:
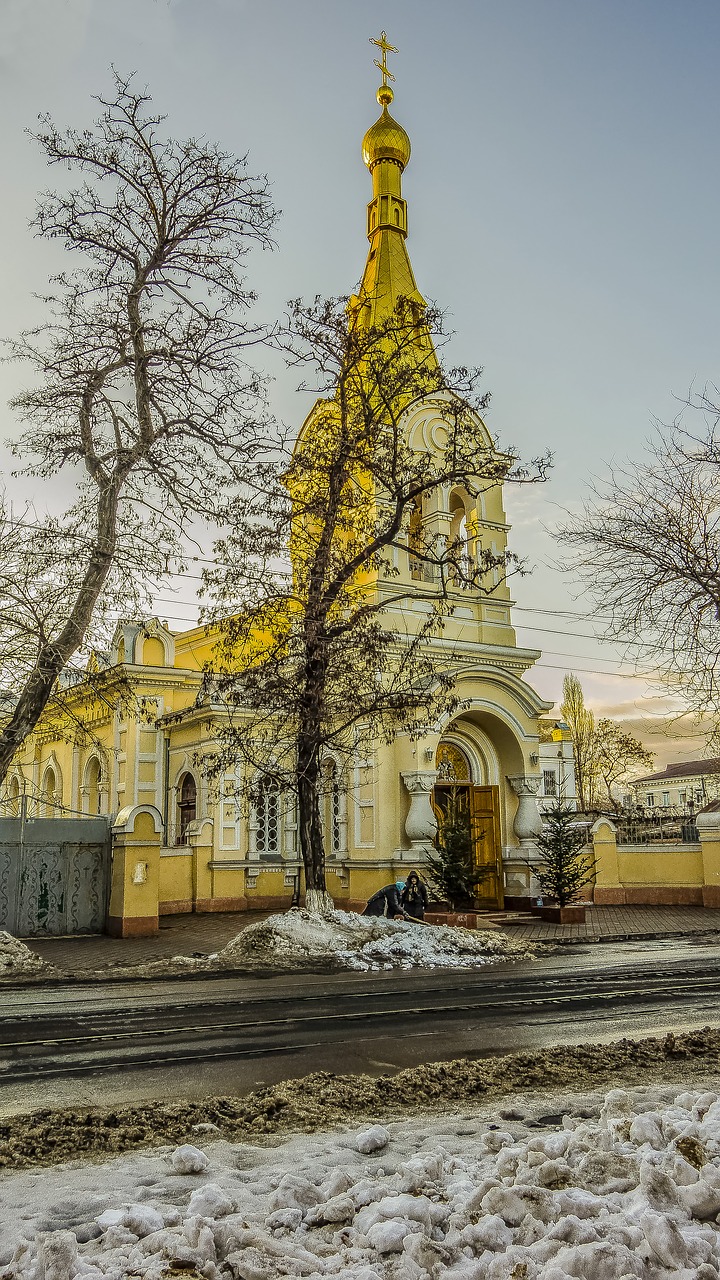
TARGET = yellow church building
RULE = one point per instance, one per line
(183, 842)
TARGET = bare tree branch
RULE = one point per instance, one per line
(311, 656)
(141, 385)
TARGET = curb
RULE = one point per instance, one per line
(619, 937)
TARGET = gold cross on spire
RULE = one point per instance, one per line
(386, 48)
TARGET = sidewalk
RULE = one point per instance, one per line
(616, 924)
(181, 935)
(202, 934)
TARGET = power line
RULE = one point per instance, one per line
(198, 577)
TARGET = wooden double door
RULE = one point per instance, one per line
(481, 806)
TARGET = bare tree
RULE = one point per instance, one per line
(141, 391)
(581, 723)
(313, 656)
(617, 755)
(605, 753)
(647, 545)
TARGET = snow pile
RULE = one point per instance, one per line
(16, 959)
(630, 1192)
(348, 941)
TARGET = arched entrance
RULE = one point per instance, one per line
(457, 795)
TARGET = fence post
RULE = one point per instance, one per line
(135, 886)
(708, 825)
(608, 889)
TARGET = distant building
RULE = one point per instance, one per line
(556, 764)
(691, 781)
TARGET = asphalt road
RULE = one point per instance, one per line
(83, 1045)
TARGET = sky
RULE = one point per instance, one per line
(564, 199)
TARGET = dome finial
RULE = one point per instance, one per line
(386, 139)
(384, 94)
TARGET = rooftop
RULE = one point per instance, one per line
(686, 769)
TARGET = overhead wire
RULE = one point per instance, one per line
(525, 609)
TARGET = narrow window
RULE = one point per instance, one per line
(332, 808)
(49, 788)
(187, 806)
(267, 815)
(93, 786)
(549, 782)
(415, 538)
(14, 797)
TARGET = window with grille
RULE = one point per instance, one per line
(332, 808)
(267, 817)
(549, 782)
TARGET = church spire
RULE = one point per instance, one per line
(388, 275)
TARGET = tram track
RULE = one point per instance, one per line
(217, 1020)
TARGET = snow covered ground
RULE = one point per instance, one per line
(16, 959)
(298, 939)
(626, 1185)
(301, 940)
(351, 941)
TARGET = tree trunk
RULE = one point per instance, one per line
(54, 655)
(312, 848)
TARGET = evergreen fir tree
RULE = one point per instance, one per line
(567, 864)
(451, 868)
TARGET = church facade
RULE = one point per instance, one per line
(121, 757)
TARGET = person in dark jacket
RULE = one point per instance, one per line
(414, 897)
(386, 902)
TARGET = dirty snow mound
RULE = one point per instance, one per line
(624, 1186)
(349, 941)
(17, 959)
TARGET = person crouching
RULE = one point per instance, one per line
(387, 902)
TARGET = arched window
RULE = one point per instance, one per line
(460, 540)
(452, 764)
(267, 819)
(333, 815)
(92, 788)
(187, 806)
(49, 792)
(13, 795)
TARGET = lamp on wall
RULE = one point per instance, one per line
(534, 758)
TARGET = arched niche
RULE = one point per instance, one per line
(13, 791)
(51, 789)
(94, 785)
(153, 652)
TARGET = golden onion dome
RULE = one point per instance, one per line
(386, 139)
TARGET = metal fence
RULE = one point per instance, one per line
(656, 826)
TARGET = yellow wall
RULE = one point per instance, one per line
(176, 883)
(660, 867)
